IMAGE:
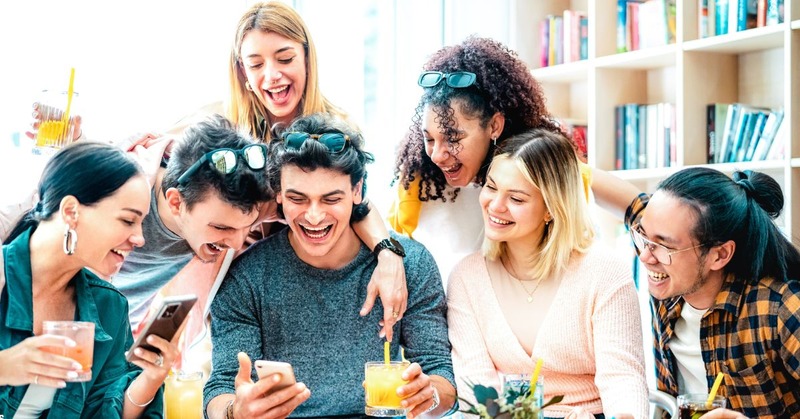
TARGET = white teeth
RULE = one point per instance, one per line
(316, 233)
(499, 221)
(123, 253)
(215, 247)
(657, 276)
(278, 89)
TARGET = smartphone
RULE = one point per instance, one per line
(168, 319)
(265, 369)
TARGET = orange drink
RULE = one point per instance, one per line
(380, 384)
(183, 395)
(83, 352)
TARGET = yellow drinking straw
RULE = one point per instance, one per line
(714, 388)
(386, 352)
(535, 376)
(65, 117)
(403, 354)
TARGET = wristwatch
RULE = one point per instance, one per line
(391, 244)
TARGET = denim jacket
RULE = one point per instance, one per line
(97, 301)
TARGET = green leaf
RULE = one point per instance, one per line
(554, 400)
(484, 394)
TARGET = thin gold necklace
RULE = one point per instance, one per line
(510, 270)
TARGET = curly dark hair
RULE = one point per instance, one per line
(504, 84)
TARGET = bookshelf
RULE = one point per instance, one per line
(759, 66)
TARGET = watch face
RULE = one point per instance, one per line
(398, 248)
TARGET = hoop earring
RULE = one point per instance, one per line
(70, 241)
(247, 86)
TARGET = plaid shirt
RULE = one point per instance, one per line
(751, 333)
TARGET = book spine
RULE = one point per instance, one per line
(702, 18)
(584, 37)
(761, 13)
(721, 19)
(544, 44)
(711, 113)
(622, 8)
(619, 136)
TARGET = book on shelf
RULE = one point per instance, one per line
(720, 17)
(564, 38)
(645, 24)
(576, 131)
(747, 133)
(645, 136)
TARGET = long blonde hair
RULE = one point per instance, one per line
(244, 109)
(548, 161)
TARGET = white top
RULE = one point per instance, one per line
(685, 345)
(37, 399)
(451, 230)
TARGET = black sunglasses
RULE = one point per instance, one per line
(458, 80)
(224, 160)
(334, 141)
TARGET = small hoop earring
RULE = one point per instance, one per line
(247, 86)
(70, 241)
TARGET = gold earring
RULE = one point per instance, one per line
(247, 86)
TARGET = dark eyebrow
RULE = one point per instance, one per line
(657, 238)
(510, 190)
(329, 194)
(135, 211)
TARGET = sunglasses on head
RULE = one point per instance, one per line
(335, 142)
(225, 160)
(458, 79)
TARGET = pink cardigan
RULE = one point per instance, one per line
(590, 342)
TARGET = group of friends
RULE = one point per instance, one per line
(491, 267)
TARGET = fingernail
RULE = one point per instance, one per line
(62, 384)
(77, 366)
(71, 343)
(138, 352)
(276, 378)
(72, 375)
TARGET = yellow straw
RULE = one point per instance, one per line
(535, 376)
(386, 352)
(403, 354)
(713, 393)
(70, 90)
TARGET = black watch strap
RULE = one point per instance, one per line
(390, 244)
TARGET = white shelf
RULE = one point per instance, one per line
(644, 59)
(796, 24)
(564, 73)
(643, 175)
(795, 162)
(756, 39)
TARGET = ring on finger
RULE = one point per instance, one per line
(395, 314)
(159, 361)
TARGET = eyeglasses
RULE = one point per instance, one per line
(458, 80)
(334, 141)
(662, 253)
(224, 160)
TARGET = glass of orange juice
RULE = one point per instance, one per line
(83, 352)
(56, 129)
(183, 395)
(380, 384)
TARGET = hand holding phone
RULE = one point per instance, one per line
(171, 314)
(265, 369)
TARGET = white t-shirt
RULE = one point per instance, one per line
(685, 345)
(37, 399)
(451, 230)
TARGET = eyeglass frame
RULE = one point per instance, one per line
(318, 137)
(237, 153)
(446, 77)
(650, 245)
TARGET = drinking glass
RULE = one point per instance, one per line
(692, 406)
(183, 395)
(380, 384)
(55, 131)
(83, 352)
(521, 383)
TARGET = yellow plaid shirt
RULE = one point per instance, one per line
(751, 333)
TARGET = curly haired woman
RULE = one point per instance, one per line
(476, 95)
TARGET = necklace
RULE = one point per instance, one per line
(514, 275)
